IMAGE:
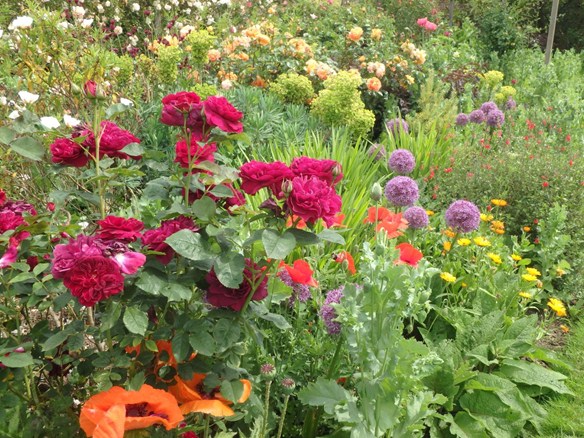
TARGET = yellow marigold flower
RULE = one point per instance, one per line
(486, 217)
(446, 276)
(516, 257)
(529, 277)
(463, 242)
(481, 241)
(499, 202)
(533, 271)
(560, 272)
(495, 258)
(557, 306)
(409, 79)
(449, 233)
(527, 229)
(526, 295)
(430, 213)
(355, 34)
(447, 246)
(565, 328)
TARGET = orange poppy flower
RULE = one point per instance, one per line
(338, 221)
(393, 225)
(408, 255)
(300, 224)
(376, 214)
(346, 255)
(193, 398)
(110, 413)
(300, 272)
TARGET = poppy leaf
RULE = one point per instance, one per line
(135, 320)
(277, 245)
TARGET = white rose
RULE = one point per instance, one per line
(135, 7)
(126, 102)
(226, 84)
(50, 123)
(28, 97)
(23, 22)
(70, 122)
(14, 115)
(87, 23)
(118, 30)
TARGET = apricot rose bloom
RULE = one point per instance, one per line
(110, 413)
(355, 34)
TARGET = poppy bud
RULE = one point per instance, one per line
(376, 192)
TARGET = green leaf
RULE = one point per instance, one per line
(532, 374)
(56, 340)
(202, 342)
(151, 281)
(229, 269)
(204, 208)
(176, 292)
(331, 236)
(304, 237)
(133, 149)
(17, 360)
(137, 381)
(464, 426)
(278, 320)
(23, 276)
(7, 135)
(115, 109)
(323, 392)
(28, 147)
(231, 390)
(277, 245)
(226, 333)
(135, 320)
(190, 245)
(181, 346)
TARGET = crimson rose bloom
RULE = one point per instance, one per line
(154, 239)
(113, 140)
(256, 175)
(65, 256)
(9, 220)
(327, 170)
(311, 199)
(220, 113)
(175, 107)
(94, 279)
(119, 228)
(68, 153)
(219, 295)
(198, 153)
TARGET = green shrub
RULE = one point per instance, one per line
(292, 88)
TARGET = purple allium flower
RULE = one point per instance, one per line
(300, 292)
(495, 118)
(395, 125)
(463, 216)
(487, 107)
(462, 119)
(327, 312)
(377, 151)
(510, 104)
(402, 161)
(477, 116)
(401, 191)
(416, 217)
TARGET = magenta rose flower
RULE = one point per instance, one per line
(119, 228)
(312, 199)
(219, 295)
(9, 256)
(68, 153)
(256, 175)
(65, 256)
(2, 197)
(129, 262)
(327, 170)
(154, 240)
(198, 153)
(9, 220)
(94, 279)
(113, 140)
(220, 113)
(19, 207)
(180, 106)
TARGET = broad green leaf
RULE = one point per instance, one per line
(204, 208)
(331, 236)
(135, 320)
(325, 393)
(137, 381)
(7, 135)
(226, 333)
(28, 147)
(464, 426)
(23, 276)
(277, 245)
(115, 109)
(190, 245)
(231, 390)
(133, 149)
(151, 281)
(176, 292)
(56, 340)
(111, 317)
(180, 346)
(304, 237)
(229, 269)
(17, 360)
(532, 374)
(278, 320)
(202, 342)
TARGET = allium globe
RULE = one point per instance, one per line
(328, 313)
(462, 119)
(477, 116)
(402, 191)
(510, 104)
(377, 151)
(393, 126)
(495, 118)
(487, 107)
(463, 216)
(402, 161)
(416, 217)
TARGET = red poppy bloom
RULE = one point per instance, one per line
(110, 413)
(300, 272)
(193, 397)
(393, 224)
(376, 214)
(345, 255)
(408, 255)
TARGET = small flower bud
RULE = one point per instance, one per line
(287, 187)
(268, 371)
(288, 384)
(376, 192)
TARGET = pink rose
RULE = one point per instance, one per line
(19, 207)
(180, 106)
(154, 240)
(312, 199)
(119, 228)
(9, 220)
(129, 262)
(198, 153)
(65, 256)
(219, 295)
(94, 279)
(430, 27)
(256, 175)
(220, 113)
(9, 256)
(90, 88)
(68, 153)
(328, 170)
(422, 21)
(113, 140)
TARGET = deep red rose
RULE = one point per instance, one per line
(154, 239)
(90, 88)
(198, 153)
(9, 220)
(66, 255)
(68, 153)
(236, 199)
(19, 207)
(256, 175)
(113, 140)
(119, 228)
(219, 295)
(94, 279)
(175, 107)
(327, 170)
(312, 199)
(220, 113)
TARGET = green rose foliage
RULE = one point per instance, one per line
(292, 88)
(340, 104)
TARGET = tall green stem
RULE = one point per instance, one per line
(266, 409)
(97, 132)
(283, 417)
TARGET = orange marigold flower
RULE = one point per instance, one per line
(110, 413)
(193, 398)
(263, 40)
(449, 233)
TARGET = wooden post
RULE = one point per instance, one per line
(551, 31)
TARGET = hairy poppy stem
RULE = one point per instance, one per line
(266, 409)
(283, 416)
